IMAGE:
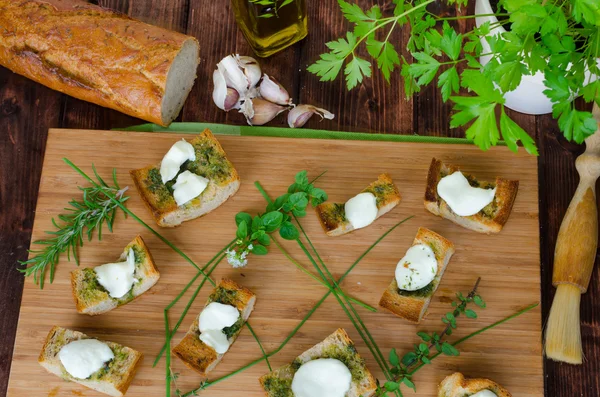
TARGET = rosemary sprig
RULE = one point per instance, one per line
(85, 216)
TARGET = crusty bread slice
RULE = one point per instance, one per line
(114, 379)
(211, 162)
(195, 353)
(490, 219)
(91, 298)
(337, 345)
(456, 385)
(412, 305)
(332, 215)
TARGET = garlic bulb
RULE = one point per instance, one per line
(251, 69)
(234, 75)
(259, 111)
(299, 115)
(224, 97)
(272, 91)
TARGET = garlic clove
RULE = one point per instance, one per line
(251, 69)
(299, 115)
(224, 97)
(272, 91)
(259, 111)
(234, 75)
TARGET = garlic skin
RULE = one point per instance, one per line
(259, 111)
(272, 91)
(234, 75)
(299, 115)
(251, 69)
(224, 97)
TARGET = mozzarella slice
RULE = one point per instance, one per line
(117, 278)
(81, 358)
(217, 316)
(361, 210)
(463, 199)
(179, 153)
(417, 269)
(216, 339)
(188, 186)
(484, 393)
(322, 377)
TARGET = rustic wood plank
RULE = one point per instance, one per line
(26, 112)
(278, 308)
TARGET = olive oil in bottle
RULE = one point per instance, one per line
(271, 25)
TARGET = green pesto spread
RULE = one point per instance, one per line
(114, 367)
(210, 162)
(277, 387)
(381, 191)
(163, 192)
(335, 215)
(139, 253)
(424, 292)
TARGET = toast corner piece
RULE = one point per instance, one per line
(456, 385)
(333, 219)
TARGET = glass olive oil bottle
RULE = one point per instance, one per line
(271, 25)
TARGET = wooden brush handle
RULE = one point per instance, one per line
(577, 241)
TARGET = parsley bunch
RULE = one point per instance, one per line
(560, 39)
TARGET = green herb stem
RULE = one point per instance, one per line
(259, 345)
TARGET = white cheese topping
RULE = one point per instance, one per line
(322, 377)
(179, 153)
(361, 210)
(417, 269)
(213, 319)
(463, 199)
(188, 186)
(117, 278)
(81, 358)
(484, 393)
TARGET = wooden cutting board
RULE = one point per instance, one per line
(509, 262)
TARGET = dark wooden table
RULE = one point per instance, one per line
(28, 110)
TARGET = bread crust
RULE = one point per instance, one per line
(490, 219)
(146, 270)
(59, 337)
(91, 53)
(332, 215)
(165, 211)
(456, 385)
(196, 354)
(366, 388)
(413, 308)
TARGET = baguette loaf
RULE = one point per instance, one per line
(412, 305)
(91, 298)
(490, 219)
(332, 216)
(196, 354)
(338, 346)
(456, 385)
(100, 56)
(211, 162)
(114, 379)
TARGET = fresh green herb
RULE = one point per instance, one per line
(270, 8)
(560, 39)
(85, 217)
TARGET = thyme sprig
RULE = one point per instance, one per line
(84, 217)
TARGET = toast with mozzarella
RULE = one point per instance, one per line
(332, 216)
(211, 163)
(92, 298)
(491, 219)
(456, 385)
(337, 346)
(412, 305)
(196, 354)
(113, 378)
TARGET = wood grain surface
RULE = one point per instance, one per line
(508, 262)
(27, 110)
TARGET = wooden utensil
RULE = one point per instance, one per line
(574, 257)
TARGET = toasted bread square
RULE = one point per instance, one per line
(332, 215)
(337, 345)
(211, 162)
(114, 379)
(490, 219)
(195, 353)
(412, 305)
(456, 385)
(91, 298)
